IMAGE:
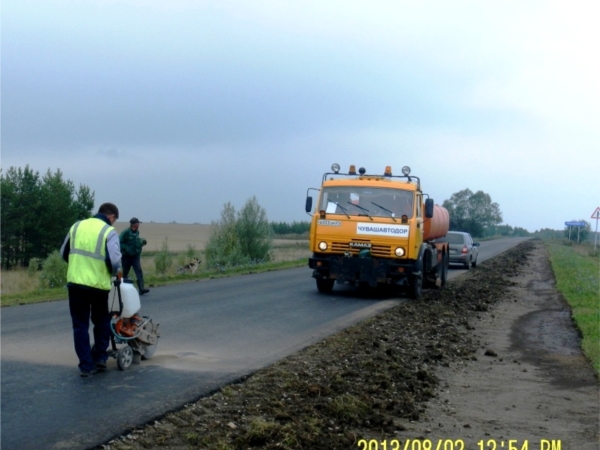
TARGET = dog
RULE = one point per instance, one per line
(191, 267)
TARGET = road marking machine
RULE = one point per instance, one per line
(134, 337)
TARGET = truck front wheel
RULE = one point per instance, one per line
(325, 285)
(416, 288)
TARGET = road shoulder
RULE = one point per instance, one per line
(528, 380)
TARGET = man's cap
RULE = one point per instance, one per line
(134, 220)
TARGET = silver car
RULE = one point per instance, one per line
(462, 248)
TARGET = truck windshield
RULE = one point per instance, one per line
(363, 201)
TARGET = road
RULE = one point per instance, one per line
(212, 333)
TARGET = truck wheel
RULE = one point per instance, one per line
(416, 288)
(429, 276)
(325, 285)
(444, 270)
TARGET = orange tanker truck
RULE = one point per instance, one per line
(375, 230)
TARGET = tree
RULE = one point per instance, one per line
(521, 232)
(239, 238)
(37, 213)
(503, 230)
(84, 204)
(56, 203)
(507, 230)
(223, 248)
(472, 212)
(254, 232)
(20, 221)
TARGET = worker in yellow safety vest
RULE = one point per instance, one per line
(92, 250)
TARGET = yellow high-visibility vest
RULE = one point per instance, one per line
(87, 254)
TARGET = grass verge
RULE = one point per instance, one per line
(578, 279)
(39, 295)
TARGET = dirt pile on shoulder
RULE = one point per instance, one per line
(364, 382)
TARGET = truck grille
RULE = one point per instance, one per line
(382, 251)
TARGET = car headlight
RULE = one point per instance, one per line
(400, 252)
(322, 246)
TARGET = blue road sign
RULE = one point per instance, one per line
(575, 224)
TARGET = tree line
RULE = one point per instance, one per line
(290, 228)
(36, 212)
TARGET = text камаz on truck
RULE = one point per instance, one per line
(376, 229)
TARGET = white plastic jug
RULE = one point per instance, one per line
(129, 297)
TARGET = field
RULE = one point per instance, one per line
(178, 236)
(181, 236)
(21, 286)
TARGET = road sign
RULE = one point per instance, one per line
(596, 214)
(575, 224)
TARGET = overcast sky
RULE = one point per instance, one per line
(171, 108)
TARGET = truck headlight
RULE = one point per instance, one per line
(322, 246)
(400, 252)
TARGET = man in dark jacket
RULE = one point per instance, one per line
(131, 248)
(92, 250)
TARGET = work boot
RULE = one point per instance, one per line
(87, 374)
(141, 288)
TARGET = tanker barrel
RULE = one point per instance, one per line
(438, 225)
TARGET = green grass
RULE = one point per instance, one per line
(36, 296)
(577, 275)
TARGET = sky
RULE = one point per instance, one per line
(170, 109)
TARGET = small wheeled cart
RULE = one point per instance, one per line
(134, 337)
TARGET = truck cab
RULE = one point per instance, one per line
(373, 230)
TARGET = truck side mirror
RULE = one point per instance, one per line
(308, 204)
(429, 208)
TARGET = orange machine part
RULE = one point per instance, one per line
(127, 327)
(438, 225)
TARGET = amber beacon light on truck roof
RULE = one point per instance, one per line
(362, 173)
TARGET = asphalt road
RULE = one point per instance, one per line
(212, 333)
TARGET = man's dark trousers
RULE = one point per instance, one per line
(83, 304)
(133, 261)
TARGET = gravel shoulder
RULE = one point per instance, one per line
(528, 380)
(493, 357)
